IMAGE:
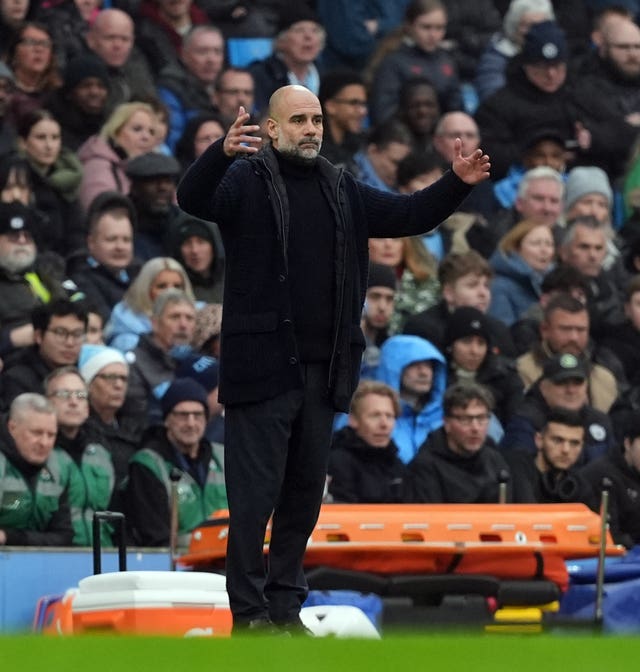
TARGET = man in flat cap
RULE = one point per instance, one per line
(153, 178)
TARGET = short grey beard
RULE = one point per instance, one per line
(12, 265)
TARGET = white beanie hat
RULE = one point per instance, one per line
(584, 180)
(93, 358)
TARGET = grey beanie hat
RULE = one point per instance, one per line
(584, 180)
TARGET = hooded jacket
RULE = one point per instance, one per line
(413, 427)
(247, 199)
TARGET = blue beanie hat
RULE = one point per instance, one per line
(93, 358)
(183, 389)
(202, 369)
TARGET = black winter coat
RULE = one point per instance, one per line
(515, 111)
(247, 199)
(363, 474)
(437, 475)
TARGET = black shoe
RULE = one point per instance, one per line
(295, 628)
(258, 627)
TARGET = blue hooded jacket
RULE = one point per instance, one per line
(412, 428)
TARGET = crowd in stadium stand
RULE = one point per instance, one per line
(503, 347)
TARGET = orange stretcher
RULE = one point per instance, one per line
(508, 541)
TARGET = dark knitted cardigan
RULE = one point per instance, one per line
(247, 198)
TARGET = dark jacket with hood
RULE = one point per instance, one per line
(206, 287)
(247, 199)
(438, 475)
(362, 473)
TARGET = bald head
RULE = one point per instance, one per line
(454, 125)
(621, 47)
(111, 37)
(295, 123)
(285, 97)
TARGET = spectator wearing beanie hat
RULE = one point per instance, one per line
(106, 373)
(535, 96)
(298, 44)
(197, 245)
(175, 449)
(470, 358)
(80, 104)
(376, 314)
(588, 192)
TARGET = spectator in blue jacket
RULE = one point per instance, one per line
(417, 371)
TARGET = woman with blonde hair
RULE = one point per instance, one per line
(132, 316)
(128, 132)
(417, 272)
(524, 255)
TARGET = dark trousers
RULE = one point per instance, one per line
(276, 455)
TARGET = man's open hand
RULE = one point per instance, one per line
(238, 139)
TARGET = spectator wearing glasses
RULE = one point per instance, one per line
(233, 88)
(105, 372)
(59, 329)
(82, 454)
(459, 464)
(35, 69)
(176, 448)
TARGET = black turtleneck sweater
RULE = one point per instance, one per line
(311, 252)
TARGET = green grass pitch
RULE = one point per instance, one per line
(412, 653)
